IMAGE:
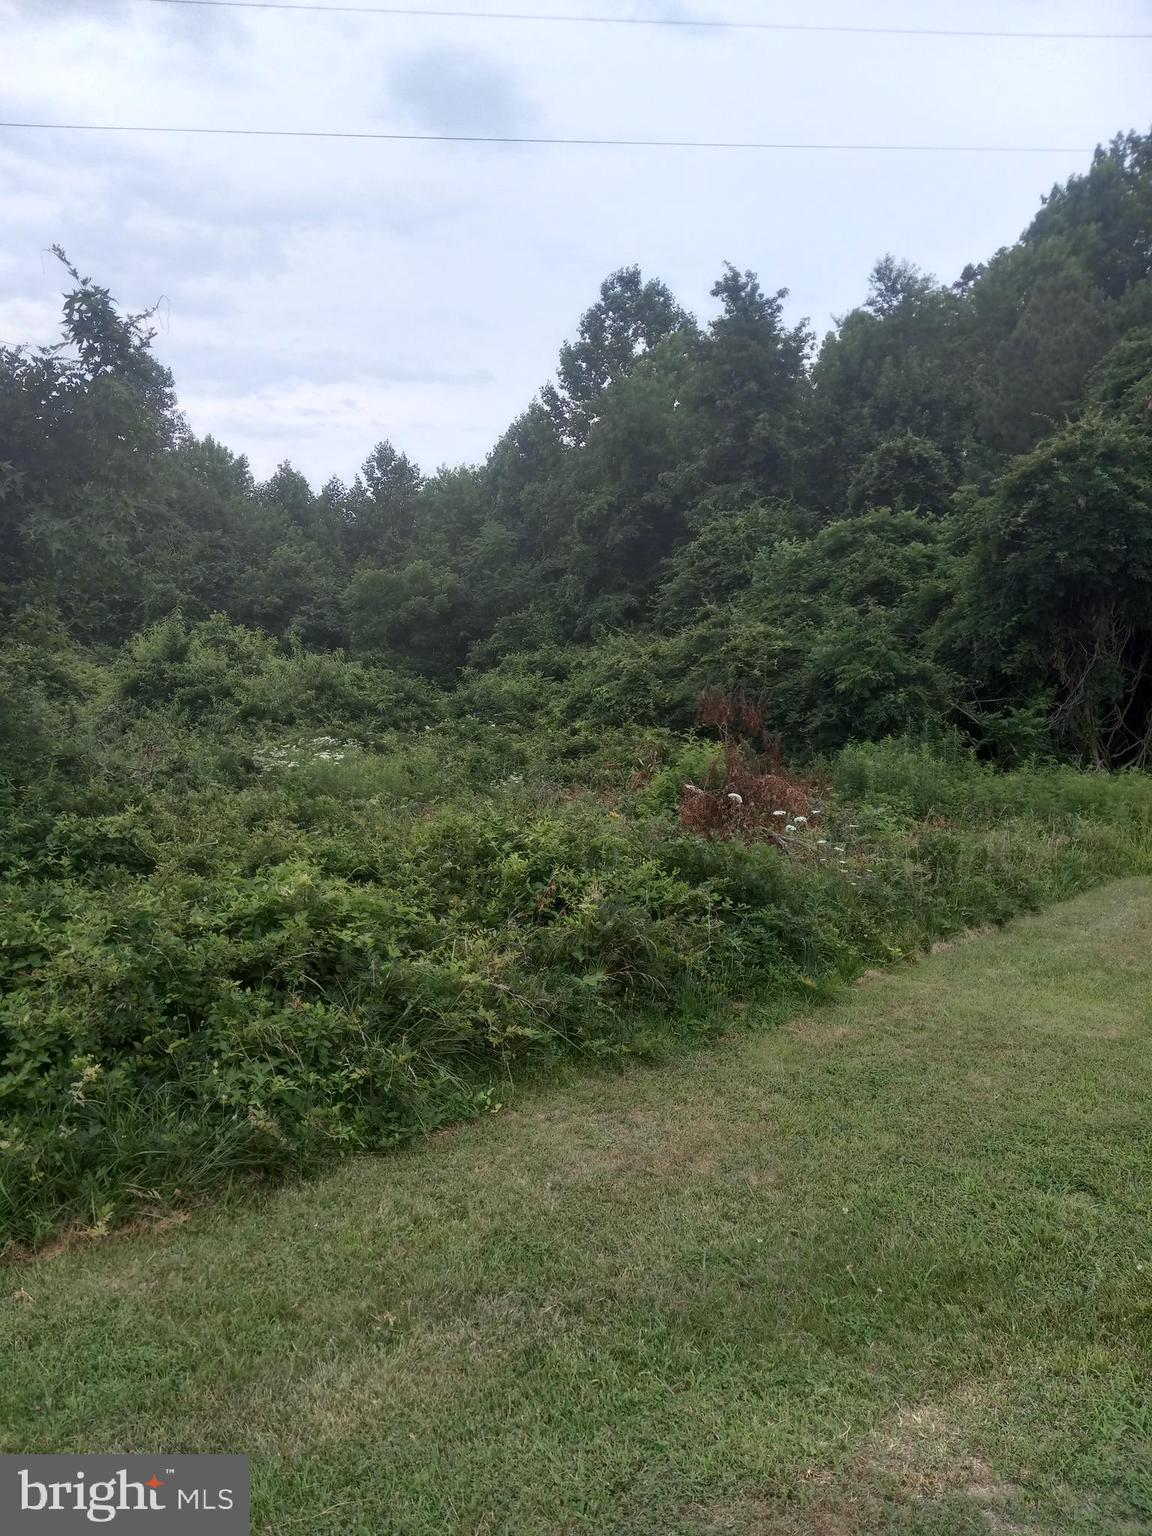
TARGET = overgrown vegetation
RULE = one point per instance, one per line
(881, 1271)
(232, 947)
(731, 670)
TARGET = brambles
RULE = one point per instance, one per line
(212, 972)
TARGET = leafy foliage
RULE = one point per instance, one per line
(1063, 583)
(320, 809)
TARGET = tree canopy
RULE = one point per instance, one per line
(941, 515)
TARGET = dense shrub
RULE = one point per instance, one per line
(226, 955)
(220, 675)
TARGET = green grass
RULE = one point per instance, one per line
(886, 1268)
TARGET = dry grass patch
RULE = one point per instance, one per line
(766, 1517)
(916, 1461)
(643, 1141)
(922, 1453)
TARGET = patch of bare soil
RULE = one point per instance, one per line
(918, 1457)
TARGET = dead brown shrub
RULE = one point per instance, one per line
(744, 795)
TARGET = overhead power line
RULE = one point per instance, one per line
(508, 138)
(652, 21)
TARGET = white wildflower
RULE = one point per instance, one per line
(791, 827)
(735, 798)
(779, 813)
(801, 821)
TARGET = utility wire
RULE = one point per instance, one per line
(651, 21)
(501, 138)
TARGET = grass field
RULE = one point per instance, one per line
(885, 1268)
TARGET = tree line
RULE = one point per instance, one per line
(938, 516)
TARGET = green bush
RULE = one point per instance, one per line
(220, 675)
(232, 948)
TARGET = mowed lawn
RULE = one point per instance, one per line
(885, 1268)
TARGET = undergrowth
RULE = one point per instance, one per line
(237, 936)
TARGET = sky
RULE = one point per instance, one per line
(316, 296)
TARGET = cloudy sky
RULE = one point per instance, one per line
(317, 296)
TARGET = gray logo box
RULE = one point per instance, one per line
(138, 1495)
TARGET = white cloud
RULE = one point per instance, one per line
(35, 322)
(304, 420)
(321, 294)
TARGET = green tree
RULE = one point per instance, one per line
(84, 429)
(720, 561)
(905, 472)
(1060, 592)
(1030, 370)
(622, 495)
(383, 507)
(748, 388)
(1106, 213)
(413, 616)
(630, 317)
(1044, 311)
(895, 366)
(1121, 383)
(844, 622)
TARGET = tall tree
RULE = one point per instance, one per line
(748, 388)
(896, 365)
(630, 317)
(84, 429)
(383, 507)
(1060, 596)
